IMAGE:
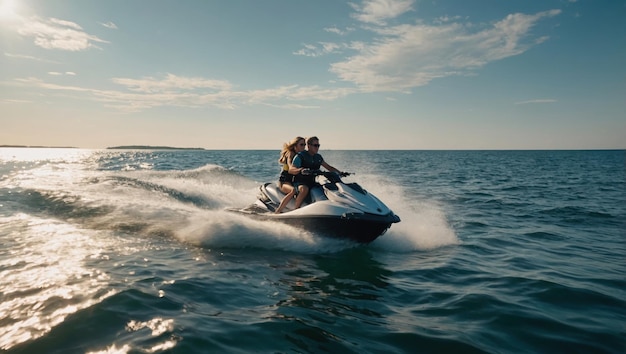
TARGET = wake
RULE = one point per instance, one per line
(190, 205)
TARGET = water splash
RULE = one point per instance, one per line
(423, 224)
(189, 205)
(223, 229)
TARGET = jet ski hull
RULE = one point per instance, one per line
(334, 209)
(362, 228)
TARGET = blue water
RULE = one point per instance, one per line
(111, 251)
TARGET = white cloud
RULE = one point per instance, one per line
(8, 100)
(56, 73)
(445, 19)
(319, 49)
(109, 25)
(329, 47)
(339, 31)
(379, 11)
(408, 56)
(192, 92)
(172, 83)
(405, 56)
(29, 57)
(309, 50)
(53, 33)
(63, 23)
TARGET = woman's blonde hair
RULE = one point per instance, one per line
(288, 149)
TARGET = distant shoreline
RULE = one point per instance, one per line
(147, 147)
(38, 147)
(123, 147)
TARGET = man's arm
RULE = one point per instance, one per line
(329, 167)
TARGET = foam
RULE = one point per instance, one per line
(223, 229)
(423, 224)
(190, 205)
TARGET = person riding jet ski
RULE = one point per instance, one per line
(305, 162)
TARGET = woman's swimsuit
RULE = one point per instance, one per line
(285, 177)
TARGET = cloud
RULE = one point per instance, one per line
(309, 50)
(401, 57)
(109, 25)
(29, 57)
(542, 100)
(191, 92)
(378, 11)
(405, 56)
(319, 49)
(339, 31)
(172, 83)
(56, 73)
(59, 34)
(8, 100)
(444, 19)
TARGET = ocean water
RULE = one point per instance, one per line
(122, 251)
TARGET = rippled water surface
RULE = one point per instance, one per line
(122, 251)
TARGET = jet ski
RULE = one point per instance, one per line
(332, 208)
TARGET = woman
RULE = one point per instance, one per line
(285, 181)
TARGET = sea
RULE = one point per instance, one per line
(135, 251)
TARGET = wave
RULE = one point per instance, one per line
(577, 213)
(45, 279)
(107, 322)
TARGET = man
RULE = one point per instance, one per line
(306, 161)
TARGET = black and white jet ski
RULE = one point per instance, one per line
(332, 208)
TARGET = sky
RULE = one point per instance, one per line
(359, 74)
